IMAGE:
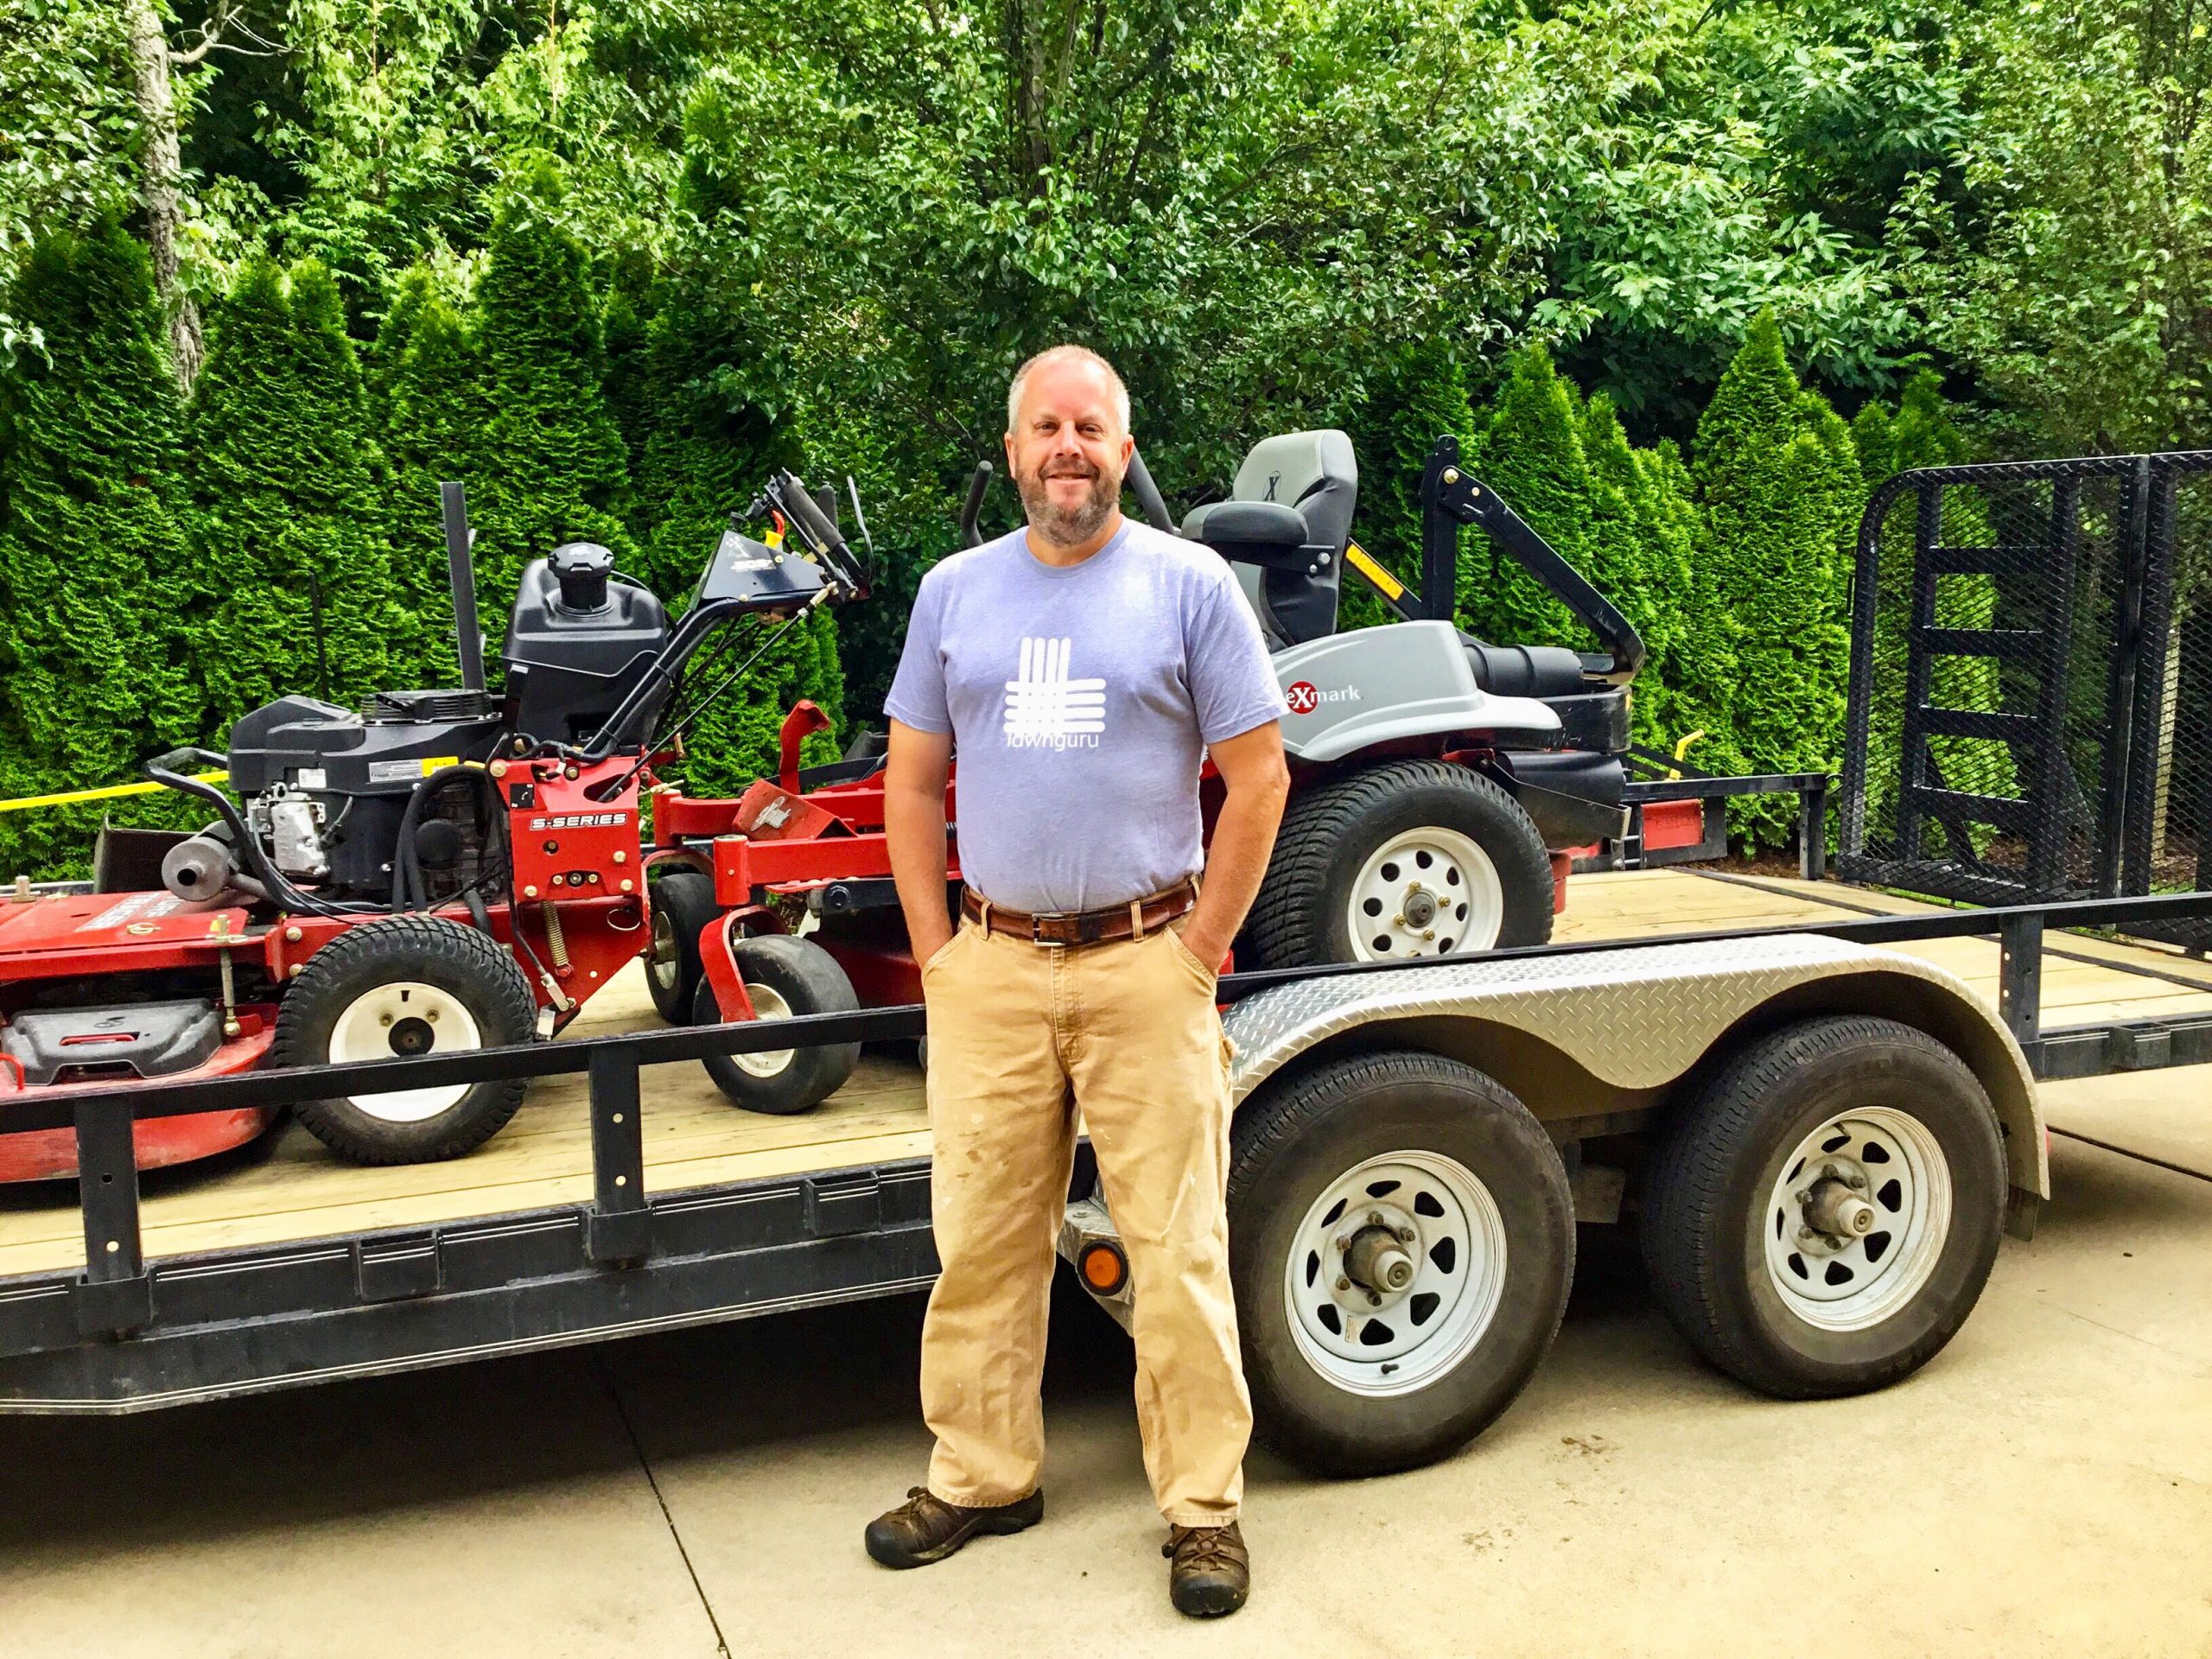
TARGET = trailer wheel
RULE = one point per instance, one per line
(683, 905)
(784, 977)
(1402, 1240)
(1824, 1217)
(407, 985)
(1414, 858)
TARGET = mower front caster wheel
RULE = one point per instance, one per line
(684, 903)
(785, 977)
(401, 987)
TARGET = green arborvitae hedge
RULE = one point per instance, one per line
(1531, 454)
(96, 573)
(435, 416)
(1634, 562)
(706, 448)
(1779, 477)
(287, 522)
(548, 465)
(1418, 397)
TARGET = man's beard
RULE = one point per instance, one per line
(1066, 527)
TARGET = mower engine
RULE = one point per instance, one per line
(336, 797)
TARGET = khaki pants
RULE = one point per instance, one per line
(1020, 1036)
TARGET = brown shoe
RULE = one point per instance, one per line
(926, 1528)
(1212, 1570)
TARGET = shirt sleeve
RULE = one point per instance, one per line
(917, 696)
(1232, 679)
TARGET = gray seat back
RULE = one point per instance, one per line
(1317, 474)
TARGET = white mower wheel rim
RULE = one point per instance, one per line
(1422, 1331)
(1426, 866)
(374, 1026)
(1838, 1284)
(767, 1004)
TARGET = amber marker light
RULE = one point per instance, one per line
(1103, 1268)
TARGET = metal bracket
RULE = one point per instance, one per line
(392, 1269)
(834, 1205)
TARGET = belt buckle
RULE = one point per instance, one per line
(1037, 930)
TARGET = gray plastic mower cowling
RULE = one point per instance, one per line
(1352, 691)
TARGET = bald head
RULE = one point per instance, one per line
(1059, 361)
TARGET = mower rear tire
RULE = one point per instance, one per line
(785, 977)
(684, 903)
(401, 986)
(1427, 858)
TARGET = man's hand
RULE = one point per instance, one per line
(914, 830)
(1258, 780)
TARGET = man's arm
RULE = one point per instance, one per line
(1252, 765)
(913, 828)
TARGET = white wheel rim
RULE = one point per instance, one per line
(1379, 1341)
(1827, 1273)
(1426, 892)
(404, 1018)
(767, 1004)
(665, 964)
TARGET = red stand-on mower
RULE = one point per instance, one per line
(441, 870)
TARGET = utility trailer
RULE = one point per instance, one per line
(1481, 1106)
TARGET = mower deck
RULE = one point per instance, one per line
(289, 1187)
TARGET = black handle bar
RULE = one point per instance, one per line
(978, 486)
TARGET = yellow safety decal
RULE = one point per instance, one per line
(1362, 561)
(113, 792)
(438, 762)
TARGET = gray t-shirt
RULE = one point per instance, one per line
(1080, 701)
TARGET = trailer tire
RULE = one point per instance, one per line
(683, 905)
(406, 985)
(1736, 1223)
(1344, 1386)
(1335, 855)
(785, 977)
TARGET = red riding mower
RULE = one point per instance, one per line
(441, 870)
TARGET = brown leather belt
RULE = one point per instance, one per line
(1082, 926)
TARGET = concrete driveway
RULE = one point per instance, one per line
(2045, 1487)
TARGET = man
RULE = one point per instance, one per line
(1082, 668)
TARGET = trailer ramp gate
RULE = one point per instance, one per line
(2030, 706)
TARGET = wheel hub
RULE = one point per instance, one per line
(1395, 1272)
(1857, 1219)
(412, 1036)
(404, 1018)
(1425, 891)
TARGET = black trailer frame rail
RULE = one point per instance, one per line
(123, 1333)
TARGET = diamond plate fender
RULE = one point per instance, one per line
(1613, 1030)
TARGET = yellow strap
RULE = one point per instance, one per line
(111, 792)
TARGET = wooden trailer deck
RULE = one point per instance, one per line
(289, 1187)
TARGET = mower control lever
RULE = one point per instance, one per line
(971, 534)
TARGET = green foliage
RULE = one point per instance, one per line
(1637, 561)
(287, 521)
(93, 557)
(1530, 453)
(1778, 478)
(548, 465)
(436, 413)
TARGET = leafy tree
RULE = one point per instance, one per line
(94, 566)
(436, 413)
(1778, 475)
(1633, 562)
(550, 464)
(287, 522)
(1531, 454)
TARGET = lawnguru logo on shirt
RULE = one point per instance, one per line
(1046, 709)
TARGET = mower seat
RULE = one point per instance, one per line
(1284, 529)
